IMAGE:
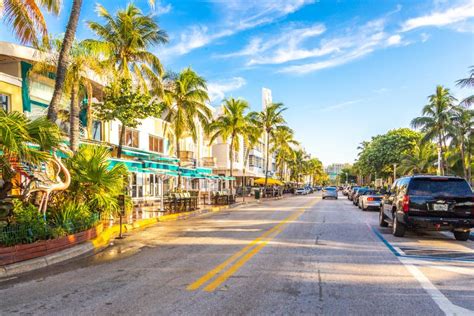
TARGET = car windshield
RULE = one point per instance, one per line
(439, 187)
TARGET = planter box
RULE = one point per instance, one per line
(17, 253)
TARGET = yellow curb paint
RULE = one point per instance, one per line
(208, 276)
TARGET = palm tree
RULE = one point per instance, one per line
(421, 160)
(251, 138)
(281, 144)
(94, 181)
(436, 119)
(81, 61)
(184, 103)
(63, 60)
(460, 131)
(26, 18)
(17, 134)
(230, 125)
(467, 82)
(268, 120)
(125, 40)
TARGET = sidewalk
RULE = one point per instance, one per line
(103, 241)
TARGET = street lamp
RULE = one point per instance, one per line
(394, 171)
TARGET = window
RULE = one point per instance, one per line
(154, 188)
(5, 102)
(97, 130)
(136, 185)
(440, 187)
(156, 144)
(131, 137)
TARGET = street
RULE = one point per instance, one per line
(298, 255)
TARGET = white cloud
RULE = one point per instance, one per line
(394, 40)
(218, 90)
(424, 37)
(341, 105)
(237, 16)
(442, 18)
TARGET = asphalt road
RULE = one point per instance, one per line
(300, 255)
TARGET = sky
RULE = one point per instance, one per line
(346, 70)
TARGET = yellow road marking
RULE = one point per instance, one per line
(208, 276)
(236, 266)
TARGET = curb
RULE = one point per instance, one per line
(99, 243)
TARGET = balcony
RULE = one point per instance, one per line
(186, 157)
(209, 162)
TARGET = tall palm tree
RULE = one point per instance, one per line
(436, 119)
(81, 61)
(460, 131)
(230, 125)
(269, 120)
(467, 82)
(281, 144)
(26, 18)
(421, 160)
(184, 103)
(251, 138)
(17, 133)
(63, 60)
(125, 39)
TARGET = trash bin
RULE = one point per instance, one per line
(257, 194)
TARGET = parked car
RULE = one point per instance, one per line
(351, 192)
(370, 199)
(357, 193)
(330, 192)
(429, 203)
(301, 191)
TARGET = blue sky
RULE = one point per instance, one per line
(346, 70)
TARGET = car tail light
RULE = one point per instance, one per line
(406, 203)
(370, 199)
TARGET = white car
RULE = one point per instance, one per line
(301, 191)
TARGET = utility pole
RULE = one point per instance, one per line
(394, 171)
(439, 160)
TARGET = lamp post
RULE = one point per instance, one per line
(439, 161)
(394, 171)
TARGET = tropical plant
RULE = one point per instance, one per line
(460, 132)
(269, 120)
(231, 125)
(436, 120)
(467, 82)
(282, 144)
(18, 134)
(185, 97)
(26, 18)
(93, 181)
(128, 105)
(81, 60)
(63, 59)
(251, 138)
(125, 40)
(421, 159)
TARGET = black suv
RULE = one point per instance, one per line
(429, 203)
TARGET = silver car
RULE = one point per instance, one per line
(330, 192)
(370, 200)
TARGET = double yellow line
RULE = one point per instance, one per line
(240, 257)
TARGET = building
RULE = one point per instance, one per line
(334, 170)
(148, 151)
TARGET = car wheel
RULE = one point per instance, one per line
(398, 229)
(461, 236)
(382, 222)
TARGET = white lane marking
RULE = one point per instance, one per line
(459, 270)
(439, 298)
(399, 251)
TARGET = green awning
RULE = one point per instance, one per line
(158, 165)
(134, 153)
(205, 171)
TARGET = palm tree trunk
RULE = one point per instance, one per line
(63, 60)
(267, 149)
(121, 140)
(179, 161)
(463, 158)
(441, 160)
(74, 119)
(231, 154)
